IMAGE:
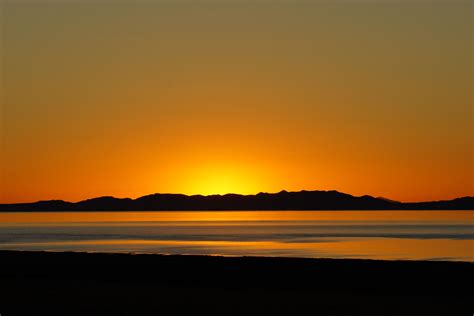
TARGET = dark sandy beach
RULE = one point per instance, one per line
(41, 283)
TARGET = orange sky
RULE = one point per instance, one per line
(132, 98)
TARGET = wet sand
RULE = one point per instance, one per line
(49, 283)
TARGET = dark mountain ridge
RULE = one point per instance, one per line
(303, 200)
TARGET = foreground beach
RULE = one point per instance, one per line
(47, 283)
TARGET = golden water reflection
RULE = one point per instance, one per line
(413, 235)
(363, 248)
(56, 217)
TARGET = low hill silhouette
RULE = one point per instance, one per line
(303, 200)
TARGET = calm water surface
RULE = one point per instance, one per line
(413, 235)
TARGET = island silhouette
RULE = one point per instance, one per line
(302, 200)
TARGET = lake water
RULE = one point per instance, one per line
(412, 235)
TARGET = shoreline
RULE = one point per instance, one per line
(257, 257)
(79, 283)
(184, 255)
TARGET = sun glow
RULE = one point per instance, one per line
(222, 180)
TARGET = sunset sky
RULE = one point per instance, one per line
(128, 98)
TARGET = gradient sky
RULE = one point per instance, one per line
(127, 98)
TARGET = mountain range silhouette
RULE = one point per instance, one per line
(303, 200)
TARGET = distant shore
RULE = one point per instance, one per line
(67, 283)
(303, 200)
